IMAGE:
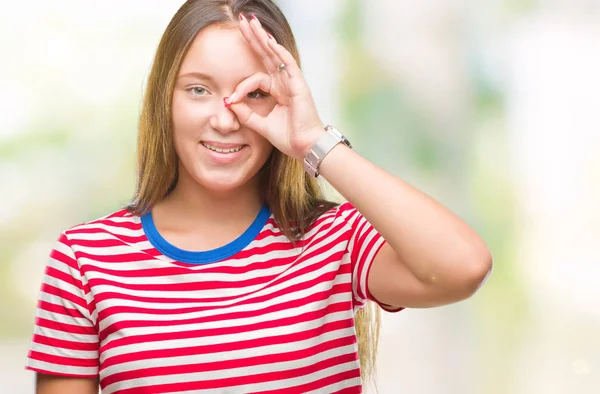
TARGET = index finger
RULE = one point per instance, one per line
(254, 40)
(256, 81)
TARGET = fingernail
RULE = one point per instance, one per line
(254, 17)
(226, 101)
(270, 36)
(242, 17)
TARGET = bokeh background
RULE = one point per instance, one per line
(492, 107)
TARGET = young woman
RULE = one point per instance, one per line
(229, 272)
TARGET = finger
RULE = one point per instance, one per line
(263, 39)
(256, 81)
(286, 58)
(249, 118)
(255, 44)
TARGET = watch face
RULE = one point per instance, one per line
(337, 133)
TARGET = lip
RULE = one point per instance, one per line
(224, 158)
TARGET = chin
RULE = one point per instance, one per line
(222, 181)
(222, 178)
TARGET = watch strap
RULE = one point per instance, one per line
(321, 148)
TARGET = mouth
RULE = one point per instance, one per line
(223, 148)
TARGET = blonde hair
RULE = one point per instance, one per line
(294, 198)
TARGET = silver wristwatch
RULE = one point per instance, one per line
(322, 147)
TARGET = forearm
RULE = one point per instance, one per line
(431, 241)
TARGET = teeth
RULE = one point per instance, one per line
(230, 150)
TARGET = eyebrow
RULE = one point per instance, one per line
(198, 75)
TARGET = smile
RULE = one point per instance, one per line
(223, 150)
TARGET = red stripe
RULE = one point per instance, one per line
(64, 344)
(100, 297)
(129, 225)
(103, 243)
(350, 390)
(92, 230)
(253, 379)
(323, 382)
(113, 310)
(59, 373)
(65, 295)
(231, 364)
(341, 306)
(224, 347)
(66, 361)
(362, 264)
(120, 213)
(63, 258)
(63, 276)
(64, 327)
(358, 239)
(58, 309)
(116, 258)
(234, 315)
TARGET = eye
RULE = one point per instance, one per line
(257, 94)
(198, 91)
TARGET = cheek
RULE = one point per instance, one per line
(188, 116)
(264, 147)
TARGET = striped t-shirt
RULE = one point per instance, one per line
(255, 316)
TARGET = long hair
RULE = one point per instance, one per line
(294, 198)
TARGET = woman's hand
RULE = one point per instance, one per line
(293, 126)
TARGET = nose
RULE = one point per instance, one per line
(224, 119)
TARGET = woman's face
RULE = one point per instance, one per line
(214, 150)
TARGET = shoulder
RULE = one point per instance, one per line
(343, 211)
(339, 215)
(120, 222)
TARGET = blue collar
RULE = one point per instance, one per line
(209, 256)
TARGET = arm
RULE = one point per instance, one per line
(431, 257)
(54, 384)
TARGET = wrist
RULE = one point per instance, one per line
(328, 139)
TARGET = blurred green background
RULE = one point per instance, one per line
(491, 107)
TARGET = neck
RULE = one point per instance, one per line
(190, 202)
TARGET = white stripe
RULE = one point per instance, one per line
(199, 376)
(341, 278)
(61, 369)
(216, 325)
(190, 275)
(222, 339)
(234, 291)
(64, 249)
(104, 236)
(62, 352)
(336, 386)
(64, 268)
(60, 318)
(64, 286)
(111, 229)
(163, 261)
(198, 276)
(61, 302)
(223, 311)
(363, 247)
(240, 354)
(172, 318)
(66, 336)
(362, 280)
